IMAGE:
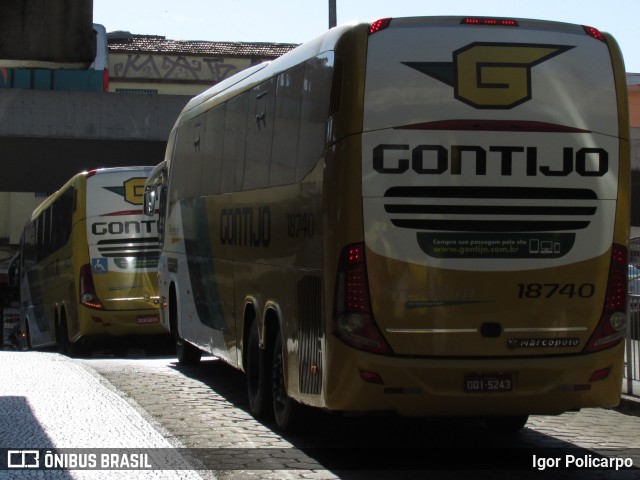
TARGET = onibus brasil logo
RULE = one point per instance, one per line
(491, 75)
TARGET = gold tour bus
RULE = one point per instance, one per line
(88, 264)
(426, 216)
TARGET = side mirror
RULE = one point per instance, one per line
(154, 180)
(150, 201)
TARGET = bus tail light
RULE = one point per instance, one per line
(491, 22)
(379, 25)
(595, 33)
(601, 374)
(611, 328)
(88, 296)
(353, 321)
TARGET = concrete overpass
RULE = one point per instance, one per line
(46, 137)
(47, 31)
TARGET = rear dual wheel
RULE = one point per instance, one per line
(507, 424)
(258, 374)
(266, 385)
(66, 346)
(288, 413)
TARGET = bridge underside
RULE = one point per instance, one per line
(32, 164)
(46, 137)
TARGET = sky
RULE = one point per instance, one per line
(296, 21)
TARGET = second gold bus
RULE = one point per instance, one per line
(88, 265)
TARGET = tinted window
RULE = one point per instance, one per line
(284, 151)
(260, 126)
(316, 95)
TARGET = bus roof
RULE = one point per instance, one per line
(326, 41)
(72, 181)
(255, 75)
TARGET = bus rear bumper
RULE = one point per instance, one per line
(436, 387)
(117, 323)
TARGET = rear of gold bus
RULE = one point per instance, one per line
(490, 278)
(117, 288)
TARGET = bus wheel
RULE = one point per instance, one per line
(187, 354)
(65, 346)
(258, 385)
(287, 412)
(507, 425)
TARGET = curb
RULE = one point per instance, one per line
(629, 405)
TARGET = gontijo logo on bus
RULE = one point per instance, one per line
(491, 75)
(132, 190)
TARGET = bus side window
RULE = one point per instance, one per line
(29, 244)
(62, 220)
(43, 233)
(234, 143)
(316, 94)
(178, 165)
(194, 156)
(285, 136)
(260, 124)
(212, 161)
(13, 271)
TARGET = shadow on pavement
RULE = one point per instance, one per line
(21, 438)
(399, 447)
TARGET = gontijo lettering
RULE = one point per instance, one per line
(124, 228)
(245, 227)
(437, 160)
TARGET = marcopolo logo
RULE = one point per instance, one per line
(491, 75)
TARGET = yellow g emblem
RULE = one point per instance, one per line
(133, 190)
(491, 75)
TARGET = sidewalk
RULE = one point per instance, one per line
(49, 401)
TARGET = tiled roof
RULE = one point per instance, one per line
(633, 79)
(124, 42)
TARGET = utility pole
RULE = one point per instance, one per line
(332, 13)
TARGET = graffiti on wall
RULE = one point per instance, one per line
(174, 67)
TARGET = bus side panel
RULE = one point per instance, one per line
(623, 212)
(274, 245)
(211, 326)
(47, 285)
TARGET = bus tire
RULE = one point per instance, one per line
(287, 412)
(187, 354)
(507, 424)
(257, 371)
(65, 346)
